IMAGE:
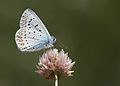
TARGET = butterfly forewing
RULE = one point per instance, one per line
(31, 20)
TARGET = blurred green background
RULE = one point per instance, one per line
(90, 29)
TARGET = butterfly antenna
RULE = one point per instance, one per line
(60, 44)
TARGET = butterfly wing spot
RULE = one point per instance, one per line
(40, 30)
(20, 40)
(25, 48)
(22, 44)
(19, 36)
(36, 25)
(40, 35)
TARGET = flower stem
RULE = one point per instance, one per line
(56, 80)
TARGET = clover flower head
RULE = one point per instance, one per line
(54, 63)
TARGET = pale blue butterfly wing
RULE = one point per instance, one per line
(32, 35)
(31, 20)
(30, 40)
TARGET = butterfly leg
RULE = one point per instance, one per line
(44, 50)
(52, 47)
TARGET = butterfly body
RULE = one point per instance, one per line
(32, 35)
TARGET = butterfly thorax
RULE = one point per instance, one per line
(51, 40)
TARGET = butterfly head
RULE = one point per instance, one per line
(52, 40)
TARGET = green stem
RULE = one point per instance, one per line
(56, 80)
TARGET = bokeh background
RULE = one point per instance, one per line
(88, 29)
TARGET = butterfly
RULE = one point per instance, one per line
(32, 35)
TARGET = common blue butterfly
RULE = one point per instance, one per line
(32, 35)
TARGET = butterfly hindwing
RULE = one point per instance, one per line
(30, 39)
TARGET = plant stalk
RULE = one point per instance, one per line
(56, 80)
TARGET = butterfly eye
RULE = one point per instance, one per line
(54, 39)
